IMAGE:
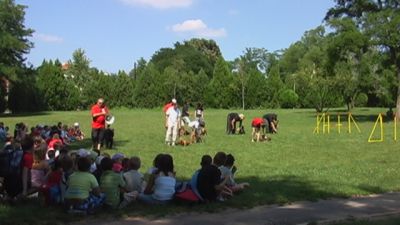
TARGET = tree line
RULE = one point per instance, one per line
(356, 63)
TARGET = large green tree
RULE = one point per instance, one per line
(379, 20)
(14, 43)
(220, 90)
(57, 91)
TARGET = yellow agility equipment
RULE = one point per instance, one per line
(395, 128)
(326, 124)
(380, 121)
(319, 119)
(339, 124)
(351, 119)
(324, 118)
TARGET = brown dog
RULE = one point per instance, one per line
(183, 134)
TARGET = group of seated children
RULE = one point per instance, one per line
(83, 180)
(215, 179)
(259, 126)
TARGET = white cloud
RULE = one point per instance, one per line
(160, 4)
(199, 28)
(189, 25)
(48, 38)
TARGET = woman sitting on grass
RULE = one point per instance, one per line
(161, 186)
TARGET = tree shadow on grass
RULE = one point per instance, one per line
(279, 190)
(282, 190)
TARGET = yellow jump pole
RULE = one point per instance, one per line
(329, 124)
(316, 129)
(349, 122)
(381, 123)
(395, 128)
(339, 125)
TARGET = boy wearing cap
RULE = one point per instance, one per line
(117, 162)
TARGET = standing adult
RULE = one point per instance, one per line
(99, 112)
(272, 120)
(185, 113)
(172, 123)
(231, 120)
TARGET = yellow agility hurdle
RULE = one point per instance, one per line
(350, 119)
(380, 121)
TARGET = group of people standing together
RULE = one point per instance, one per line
(175, 120)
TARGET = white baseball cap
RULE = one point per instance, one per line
(173, 101)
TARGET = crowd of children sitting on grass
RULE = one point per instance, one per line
(84, 180)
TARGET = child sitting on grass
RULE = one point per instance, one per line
(135, 183)
(111, 183)
(228, 170)
(161, 186)
(83, 192)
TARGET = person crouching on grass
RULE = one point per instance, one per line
(272, 122)
(256, 125)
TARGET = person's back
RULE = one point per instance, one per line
(133, 178)
(111, 183)
(164, 186)
(209, 176)
(81, 182)
(134, 181)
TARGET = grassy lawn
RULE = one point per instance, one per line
(295, 165)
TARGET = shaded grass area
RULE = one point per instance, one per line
(295, 165)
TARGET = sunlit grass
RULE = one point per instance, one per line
(295, 165)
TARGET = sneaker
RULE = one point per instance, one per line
(173, 144)
(220, 199)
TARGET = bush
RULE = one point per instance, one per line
(361, 100)
(288, 98)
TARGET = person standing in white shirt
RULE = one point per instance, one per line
(172, 123)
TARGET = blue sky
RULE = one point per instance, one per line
(116, 33)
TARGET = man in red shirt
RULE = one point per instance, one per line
(256, 124)
(99, 112)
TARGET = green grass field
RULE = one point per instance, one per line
(295, 165)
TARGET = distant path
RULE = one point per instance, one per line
(296, 213)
